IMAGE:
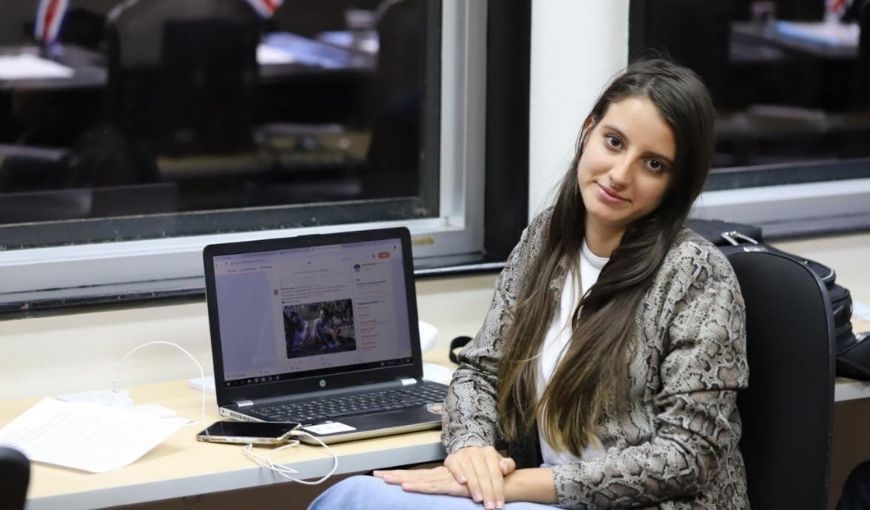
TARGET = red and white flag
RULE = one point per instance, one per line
(49, 16)
(265, 8)
(836, 7)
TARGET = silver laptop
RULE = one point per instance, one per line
(320, 330)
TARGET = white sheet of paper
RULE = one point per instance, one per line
(103, 397)
(86, 436)
(26, 66)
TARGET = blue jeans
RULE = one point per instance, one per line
(370, 493)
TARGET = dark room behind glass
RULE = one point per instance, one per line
(184, 118)
(789, 79)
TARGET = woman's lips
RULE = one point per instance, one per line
(609, 196)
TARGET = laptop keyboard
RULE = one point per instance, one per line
(358, 403)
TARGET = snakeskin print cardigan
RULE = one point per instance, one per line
(676, 443)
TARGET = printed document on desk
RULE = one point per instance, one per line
(85, 436)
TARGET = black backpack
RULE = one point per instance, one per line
(853, 355)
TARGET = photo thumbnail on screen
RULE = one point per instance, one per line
(325, 327)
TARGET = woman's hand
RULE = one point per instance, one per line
(429, 481)
(482, 469)
(535, 484)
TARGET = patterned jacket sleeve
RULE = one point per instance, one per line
(471, 413)
(696, 311)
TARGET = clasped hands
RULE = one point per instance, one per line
(475, 472)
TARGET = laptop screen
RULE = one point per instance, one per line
(286, 314)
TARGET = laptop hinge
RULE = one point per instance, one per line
(408, 382)
(244, 403)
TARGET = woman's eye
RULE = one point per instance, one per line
(656, 165)
(613, 141)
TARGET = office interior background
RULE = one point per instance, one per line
(454, 117)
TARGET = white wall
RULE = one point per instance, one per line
(577, 46)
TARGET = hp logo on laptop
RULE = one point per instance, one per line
(323, 383)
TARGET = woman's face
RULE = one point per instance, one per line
(626, 165)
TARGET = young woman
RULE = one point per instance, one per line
(610, 359)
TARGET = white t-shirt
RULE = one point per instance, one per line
(556, 341)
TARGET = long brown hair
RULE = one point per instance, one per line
(593, 373)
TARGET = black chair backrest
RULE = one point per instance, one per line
(692, 33)
(788, 409)
(800, 10)
(31, 167)
(208, 78)
(15, 475)
(394, 153)
(862, 65)
(182, 75)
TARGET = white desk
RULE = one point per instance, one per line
(183, 466)
(41, 356)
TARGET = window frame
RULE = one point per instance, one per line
(173, 263)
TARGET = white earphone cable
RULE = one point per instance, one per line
(116, 382)
(285, 470)
(248, 450)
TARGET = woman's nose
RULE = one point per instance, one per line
(619, 173)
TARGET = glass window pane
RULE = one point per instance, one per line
(789, 80)
(162, 118)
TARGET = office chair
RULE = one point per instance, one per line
(787, 410)
(31, 167)
(311, 18)
(860, 94)
(15, 474)
(800, 10)
(182, 75)
(694, 34)
(394, 155)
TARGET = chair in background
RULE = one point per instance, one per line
(15, 474)
(787, 411)
(861, 87)
(310, 18)
(83, 27)
(28, 168)
(394, 156)
(692, 33)
(800, 10)
(182, 75)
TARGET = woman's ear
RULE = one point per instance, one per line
(588, 126)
